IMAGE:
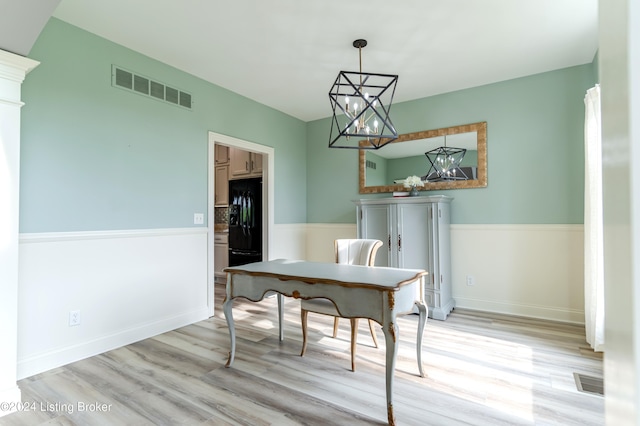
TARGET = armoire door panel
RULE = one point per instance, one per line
(375, 225)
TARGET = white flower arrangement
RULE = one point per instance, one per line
(412, 182)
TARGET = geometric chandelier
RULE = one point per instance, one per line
(445, 163)
(361, 103)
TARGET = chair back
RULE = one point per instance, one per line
(356, 251)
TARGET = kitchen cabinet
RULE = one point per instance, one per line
(220, 254)
(221, 154)
(415, 233)
(256, 163)
(221, 192)
(244, 164)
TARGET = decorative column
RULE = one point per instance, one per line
(13, 69)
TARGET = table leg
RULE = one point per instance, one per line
(422, 312)
(226, 306)
(391, 339)
(280, 315)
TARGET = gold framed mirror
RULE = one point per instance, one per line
(384, 169)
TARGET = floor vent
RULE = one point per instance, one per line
(142, 85)
(589, 384)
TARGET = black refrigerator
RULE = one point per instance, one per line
(245, 221)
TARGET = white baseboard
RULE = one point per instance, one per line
(522, 310)
(61, 356)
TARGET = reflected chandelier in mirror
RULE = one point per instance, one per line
(384, 170)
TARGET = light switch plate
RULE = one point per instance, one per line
(198, 218)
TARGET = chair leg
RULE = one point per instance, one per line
(354, 340)
(373, 333)
(303, 320)
(335, 326)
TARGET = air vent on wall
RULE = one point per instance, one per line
(137, 83)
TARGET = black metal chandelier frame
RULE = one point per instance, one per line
(370, 89)
(451, 173)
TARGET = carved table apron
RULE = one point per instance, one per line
(378, 293)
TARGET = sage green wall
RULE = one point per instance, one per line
(98, 158)
(535, 151)
(377, 176)
(95, 157)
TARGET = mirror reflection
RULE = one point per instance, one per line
(446, 158)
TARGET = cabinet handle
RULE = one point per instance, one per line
(399, 242)
(389, 242)
(246, 165)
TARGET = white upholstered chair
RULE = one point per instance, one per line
(351, 251)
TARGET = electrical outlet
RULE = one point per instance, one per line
(74, 318)
(471, 280)
(198, 218)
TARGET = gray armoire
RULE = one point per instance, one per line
(415, 233)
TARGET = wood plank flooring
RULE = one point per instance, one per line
(482, 369)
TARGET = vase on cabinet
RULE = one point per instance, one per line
(414, 192)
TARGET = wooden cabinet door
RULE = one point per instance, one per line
(240, 162)
(220, 258)
(221, 195)
(256, 164)
(221, 154)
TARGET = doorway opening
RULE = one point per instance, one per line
(267, 166)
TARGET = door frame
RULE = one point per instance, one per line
(268, 162)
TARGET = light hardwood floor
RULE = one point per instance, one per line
(482, 369)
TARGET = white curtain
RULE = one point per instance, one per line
(593, 222)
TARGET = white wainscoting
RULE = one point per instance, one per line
(130, 285)
(288, 241)
(320, 239)
(528, 270)
(127, 285)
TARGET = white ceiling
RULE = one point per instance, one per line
(21, 23)
(287, 53)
